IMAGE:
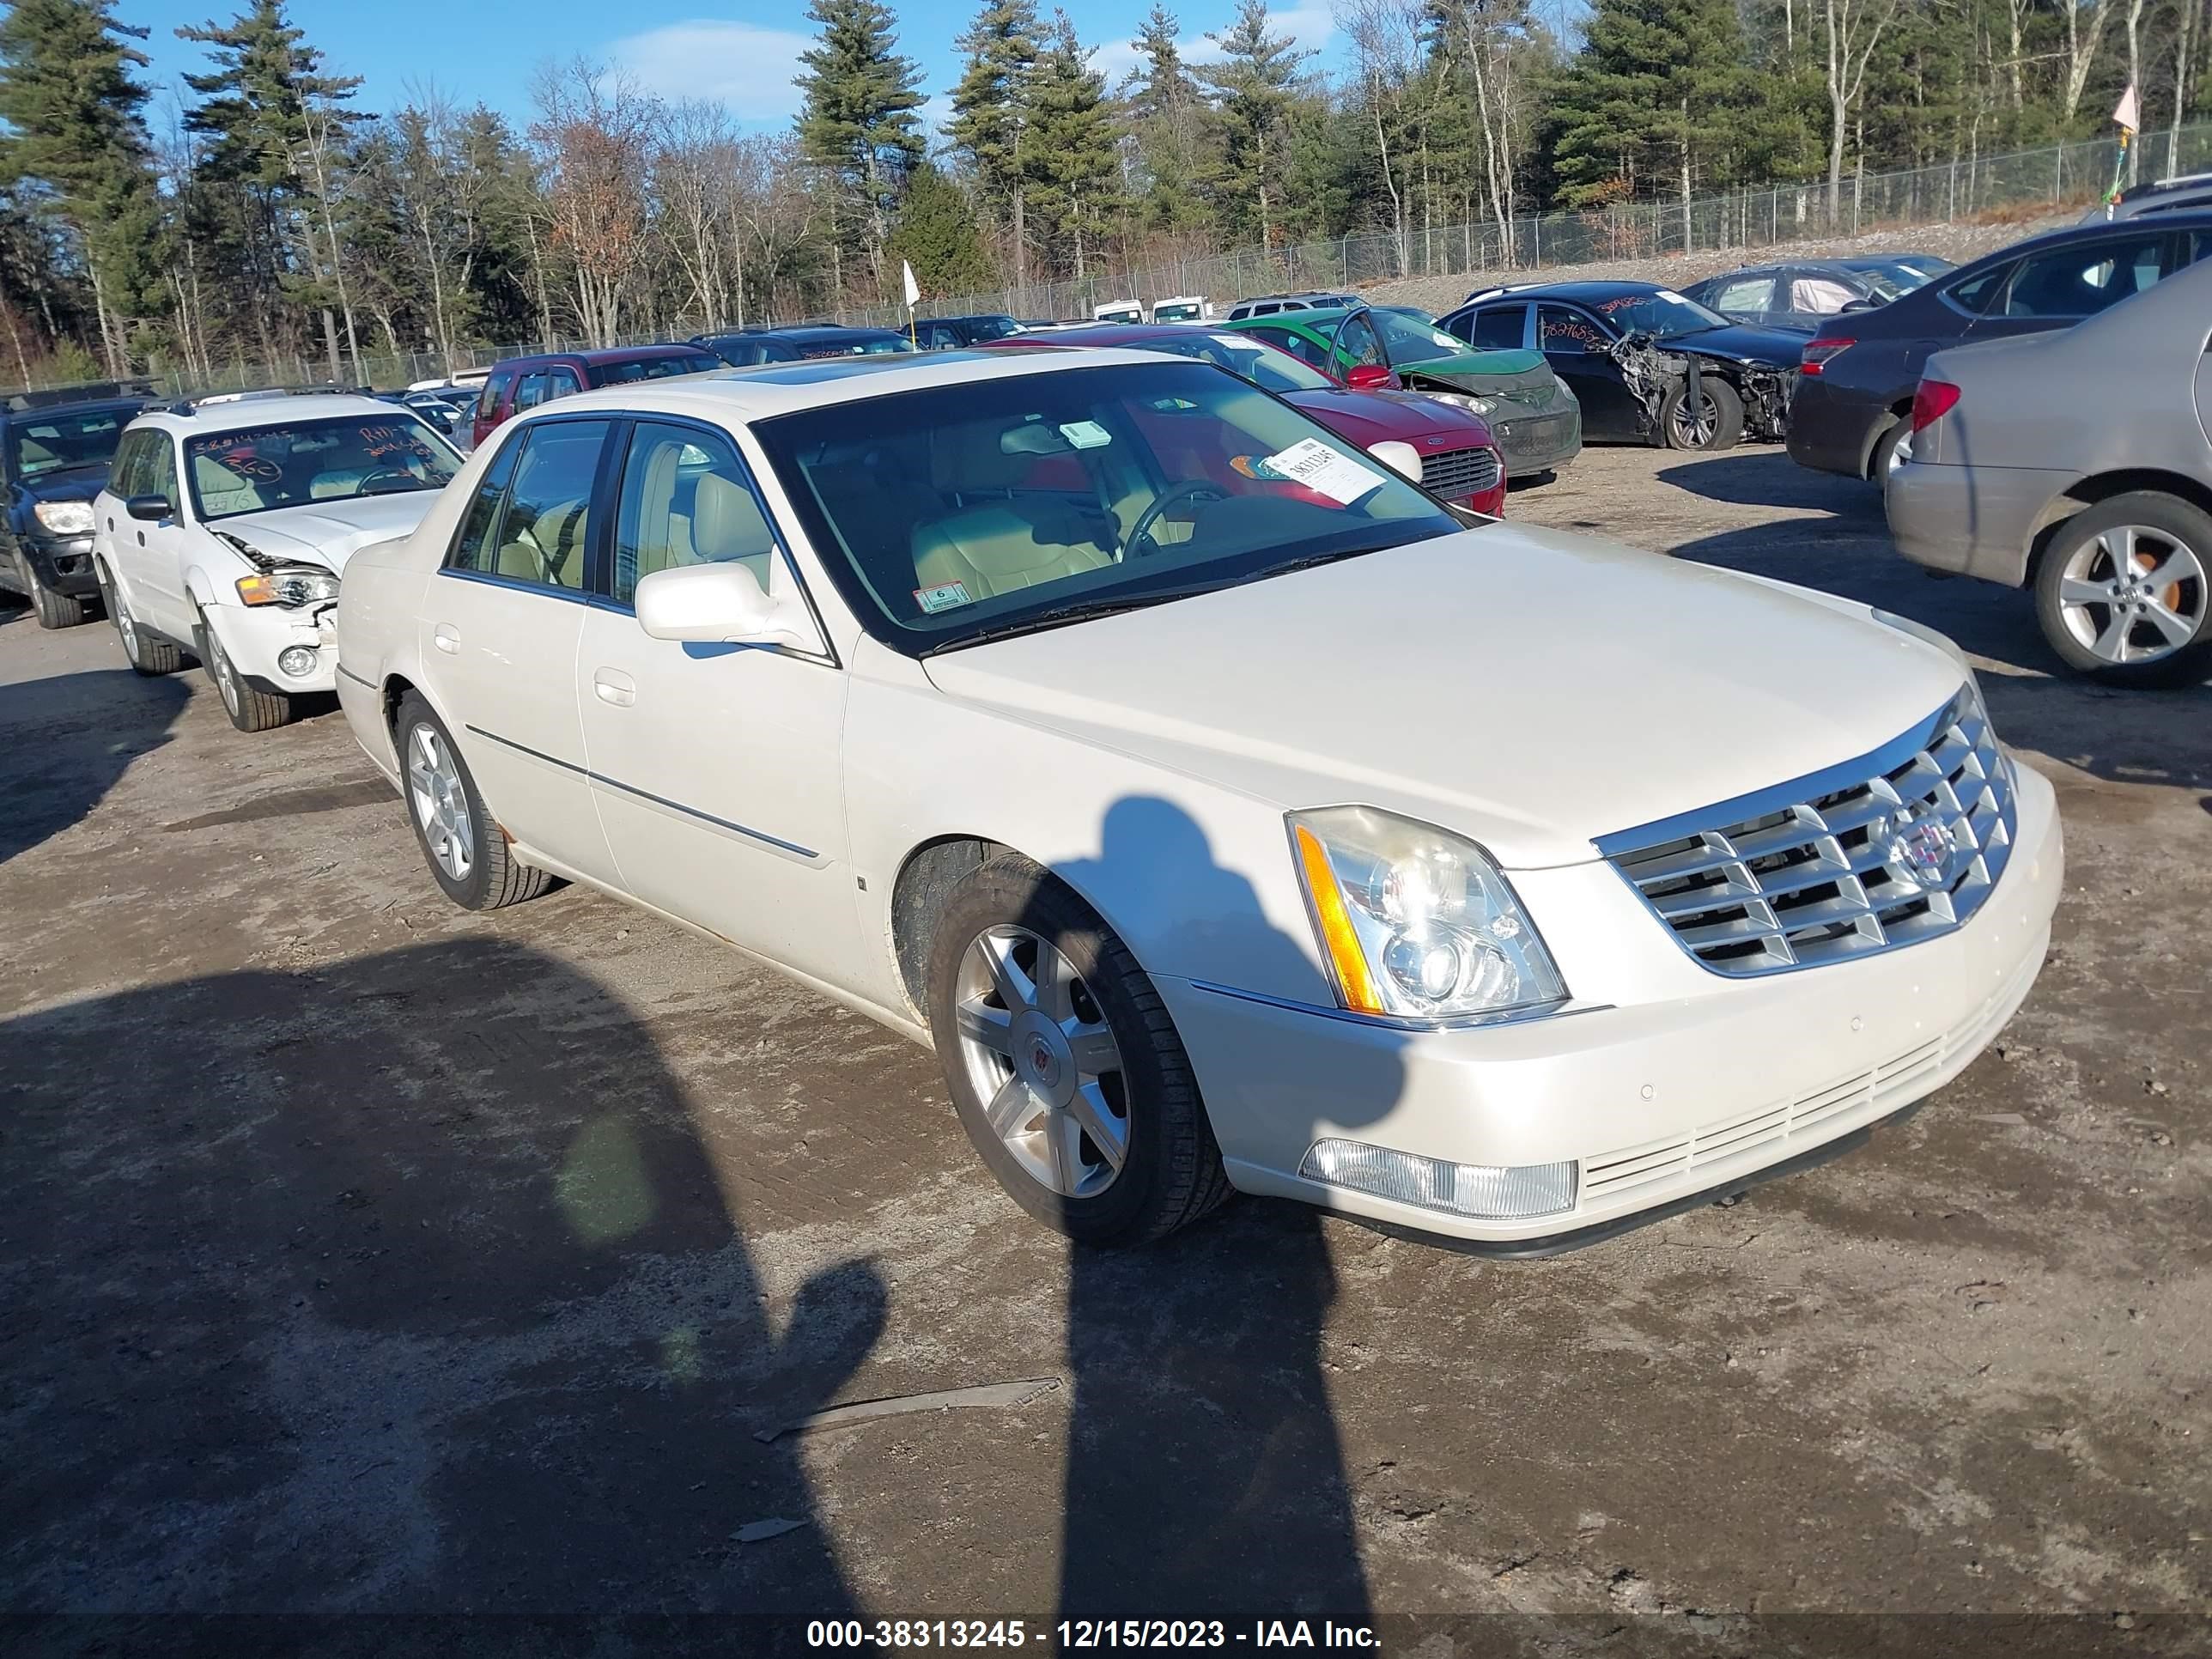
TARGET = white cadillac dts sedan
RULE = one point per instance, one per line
(1226, 812)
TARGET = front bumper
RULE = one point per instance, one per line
(1657, 1100)
(1977, 520)
(1537, 441)
(255, 637)
(63, 563)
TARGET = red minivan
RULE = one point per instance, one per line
(521, 383)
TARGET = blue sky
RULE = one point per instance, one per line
(745, 55)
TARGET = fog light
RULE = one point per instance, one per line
(297, 661)
(1481, 1192)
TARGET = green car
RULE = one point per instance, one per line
(1535, 418)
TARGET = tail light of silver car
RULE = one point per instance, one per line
(1816, 354)
(1931, 401)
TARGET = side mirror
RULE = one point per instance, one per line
(1369, 377)
(712, 605)
(1862, 305)
(149, 506)
(1403, 460)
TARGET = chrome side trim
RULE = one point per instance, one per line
(759, 835)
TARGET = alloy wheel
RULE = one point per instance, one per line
(2133, 595)
(125, 629)
(441, 802)
(1695, 430)
(1041, 1056)
(226, 676)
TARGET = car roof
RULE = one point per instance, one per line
(249, 413)
(2190, 217)
(89, 406)
(773, 389)
(1613, 289)
(596, 356)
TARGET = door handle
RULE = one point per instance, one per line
(615, 687)
(446, 640)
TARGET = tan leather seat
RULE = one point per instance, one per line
(549, 549)
(726, 527)
(989, 546)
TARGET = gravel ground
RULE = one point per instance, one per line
(357, 1254)
(1958, 243)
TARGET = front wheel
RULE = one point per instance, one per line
(1714, 423)
(54, 610)
(1064, 1065)
(2121, 589)
(468, 852)
(250, 710)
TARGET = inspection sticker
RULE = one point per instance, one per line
(946, 596)
(1324, 471)
(1085, 434)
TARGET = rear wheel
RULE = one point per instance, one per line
(1714, 423)
(1888, 454)
(1064, 1065)
(2122, 590)
(468, 852)
(250, 710)
(148, 655)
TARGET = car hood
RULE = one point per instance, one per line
(1482, 364)
(1369, 417)
(68, 484)
(1532, 689)
(1741, 343)
(329, 532)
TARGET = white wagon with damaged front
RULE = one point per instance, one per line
(1225, 812)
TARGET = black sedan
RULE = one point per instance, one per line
(1647, 365)
(1854, 404)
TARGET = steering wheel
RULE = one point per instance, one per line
(397, 476)
(1190, 489)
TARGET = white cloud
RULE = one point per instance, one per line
(743, 66)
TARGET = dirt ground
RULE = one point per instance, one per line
(357, 1254)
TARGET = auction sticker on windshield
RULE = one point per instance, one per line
(1324, 471)
(946, 596)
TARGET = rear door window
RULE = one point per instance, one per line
(1745, 293)
(2083, 279)
(1499, 328)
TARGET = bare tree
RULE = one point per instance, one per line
(1855, 28)
(592, 136)
(693, 175)
(2081, 43)
(1385, 36)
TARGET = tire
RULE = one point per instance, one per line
(485, 875)
(1170, 1171)
(2164, 640)
(1883, 456)
(54, 610)
(1725, 427)
(250, 710)
(147, 655)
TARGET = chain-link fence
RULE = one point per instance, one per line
(1966, 187)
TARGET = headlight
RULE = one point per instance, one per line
(1416, 922)
(1461, 400)
(65, 518)
(290, 586)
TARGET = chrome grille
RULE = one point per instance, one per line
(1461, 473)
(1805, 874)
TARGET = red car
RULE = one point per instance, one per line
(1459, 459)
(521, 383)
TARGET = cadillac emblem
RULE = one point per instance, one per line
(1917, 848)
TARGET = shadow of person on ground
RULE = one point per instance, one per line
(64, 741)
(401, 1285)
(1204, 1474)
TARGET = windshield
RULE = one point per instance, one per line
(1185, 313)
(996, 505)
(653, 368)
(339, 459)
(1247, 358)
(992, 328)
(1411, 339)
(1665, 315)
(55, 443)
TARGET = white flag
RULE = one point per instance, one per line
(2129, 113)
(914, 289)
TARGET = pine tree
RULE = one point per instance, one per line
(279, 131)
(1256, 82)
(858, 121)
(937, 233)
(67, 91)
(990, 106)
(1173, 128)
(1655, 101)
(1074, 170)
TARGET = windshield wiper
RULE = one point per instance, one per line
(1061, 615)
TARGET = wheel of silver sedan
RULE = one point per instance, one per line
(1040, 1054)
(2133, 594)
(440, 804)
